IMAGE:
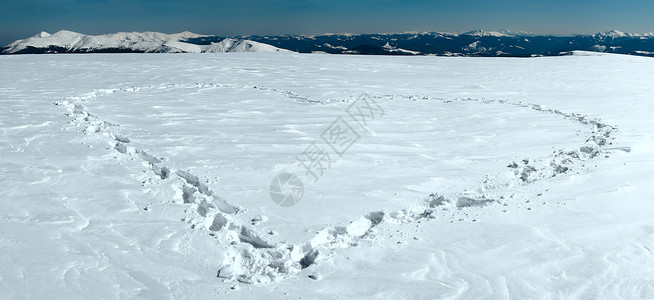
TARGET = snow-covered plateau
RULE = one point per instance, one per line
(149, 176)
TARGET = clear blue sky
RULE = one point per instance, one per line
(23, 18)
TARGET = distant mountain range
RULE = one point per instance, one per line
(473, 43)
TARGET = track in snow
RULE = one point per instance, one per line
(252, 259)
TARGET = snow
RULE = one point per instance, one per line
(232, 45)
(334, 47)
(390, 48)
(43, 34)
(619, 34)
(146, 42)
(481, 32)
(475, 47)
(147, 176)
(614, 34)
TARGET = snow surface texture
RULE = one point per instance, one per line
(487, 178)
(141, 42)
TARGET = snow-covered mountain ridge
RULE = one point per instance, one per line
(145, 42)
(489, 43)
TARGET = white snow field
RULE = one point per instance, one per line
(148, 176)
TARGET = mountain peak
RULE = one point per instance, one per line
(42, 34)
(614, 34)
(496, 33)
